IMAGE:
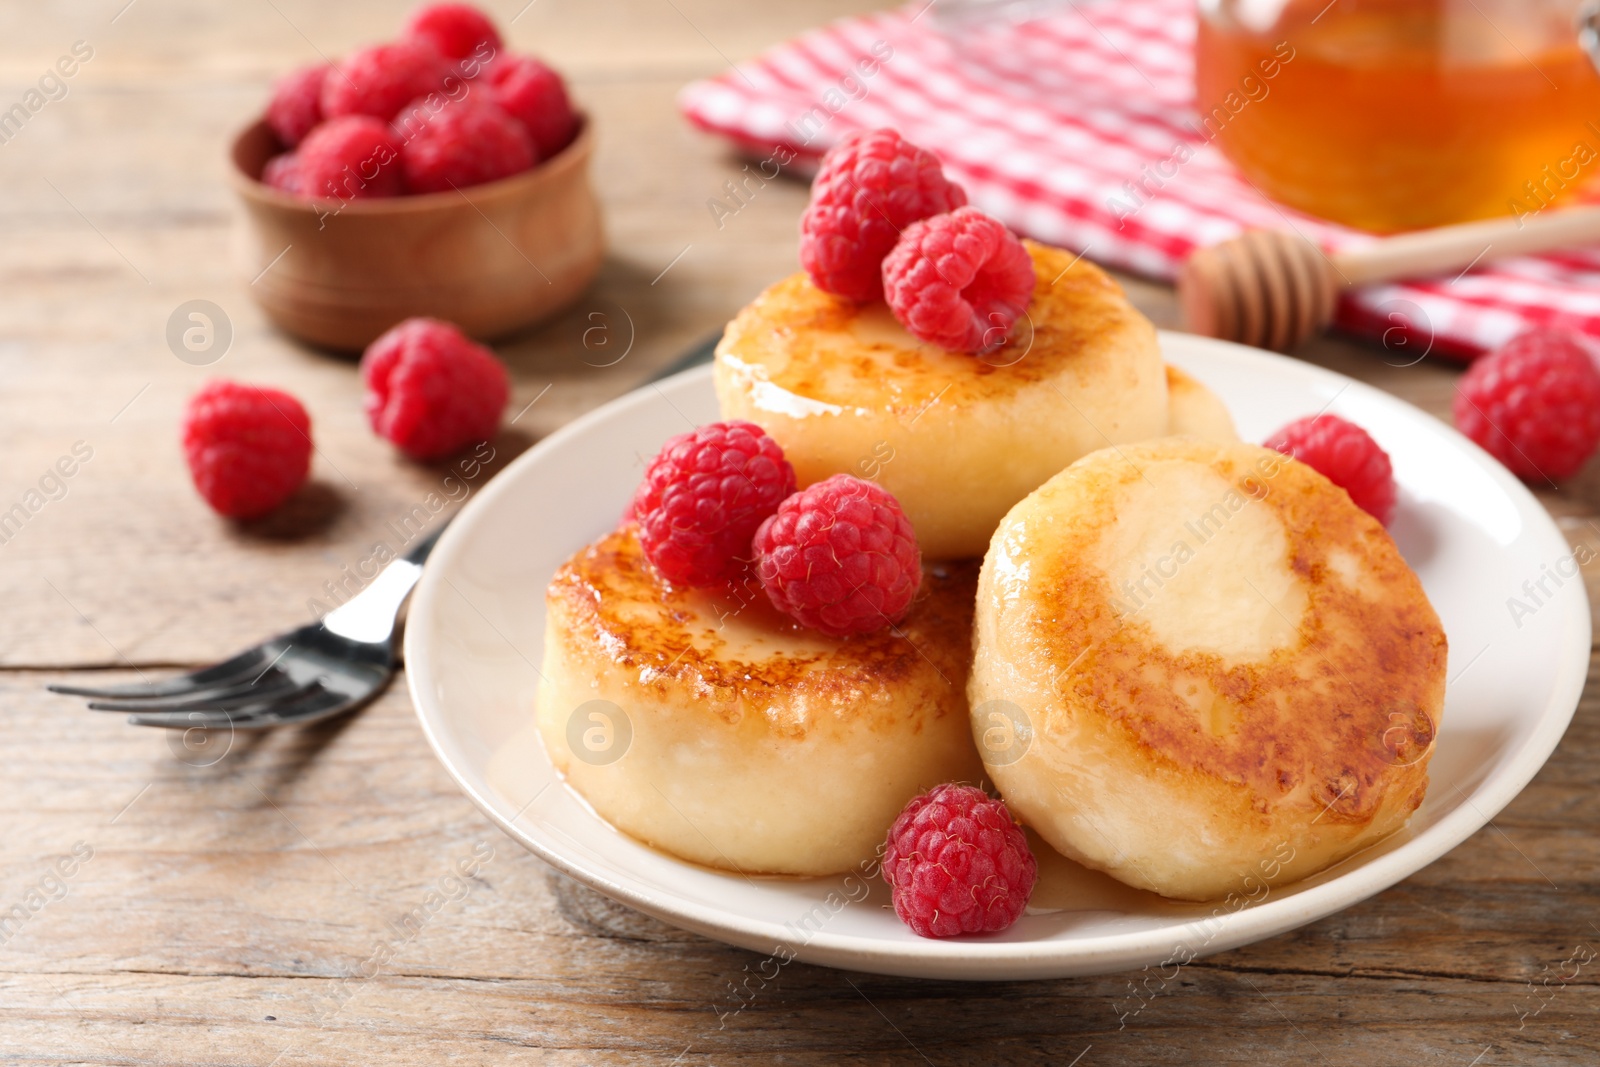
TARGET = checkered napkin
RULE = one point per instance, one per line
(1078, 128)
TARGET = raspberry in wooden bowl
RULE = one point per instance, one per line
(438, 175)
(492, 258)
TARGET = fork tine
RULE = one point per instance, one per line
(184, 720)
(313, 703)
(227, 672)
(226, 714)
(269, 686)
(307, 710)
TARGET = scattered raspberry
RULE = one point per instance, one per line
(454, 30)
(432, 391)
(380, 80)
(248, 448)
(870, 187)
(283, 173)
(536, 96)
(957, 864)
(1346, 455)
(1534, 404)
(703, 497)
(349, 158)
(958, 281)
(465, 142)
(840, 557)
(296, 105)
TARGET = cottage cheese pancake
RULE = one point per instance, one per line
(1195, 411)
(1220, 672)
(712, 727)
(958, 439)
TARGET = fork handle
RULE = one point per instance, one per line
(419, 552)
(370, 615)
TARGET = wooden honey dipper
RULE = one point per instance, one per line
(1274, 290)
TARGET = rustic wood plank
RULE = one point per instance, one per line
(131, 548)
(259, 885)
(229, 907)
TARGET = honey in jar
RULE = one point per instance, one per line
(1398, 114)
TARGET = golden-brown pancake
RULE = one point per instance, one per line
(715, 728)
(1195, 411)
(1214, 671)
(956, 438)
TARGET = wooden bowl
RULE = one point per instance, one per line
(490, 258)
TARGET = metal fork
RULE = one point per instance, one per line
(316, 672)
(320, 670)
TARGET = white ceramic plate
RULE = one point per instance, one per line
(1471, 531)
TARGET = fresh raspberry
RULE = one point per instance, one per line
(840, 557)
(380, 80)
(350, 158)
(703, 497)
(296, 105)
(283, 174)
(432, 391)
(536, 96)
(870, 187)
(1534, 404)
(1346, 455)
(958, 281)
(957, 863)
(454, 30)
(465, 142)
(248, 448)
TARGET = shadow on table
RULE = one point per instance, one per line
(311, 510)
(206, 757)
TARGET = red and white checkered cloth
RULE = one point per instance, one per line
(1045, 122)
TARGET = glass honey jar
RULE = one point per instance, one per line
(1392, 115)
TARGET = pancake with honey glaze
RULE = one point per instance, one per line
(714, 728)
(1202, 669)
(1195, 411)
(956, 438)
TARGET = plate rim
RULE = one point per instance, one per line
(1013, 960)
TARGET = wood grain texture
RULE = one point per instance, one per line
(293, 899)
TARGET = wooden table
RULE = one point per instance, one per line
(225, 907)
